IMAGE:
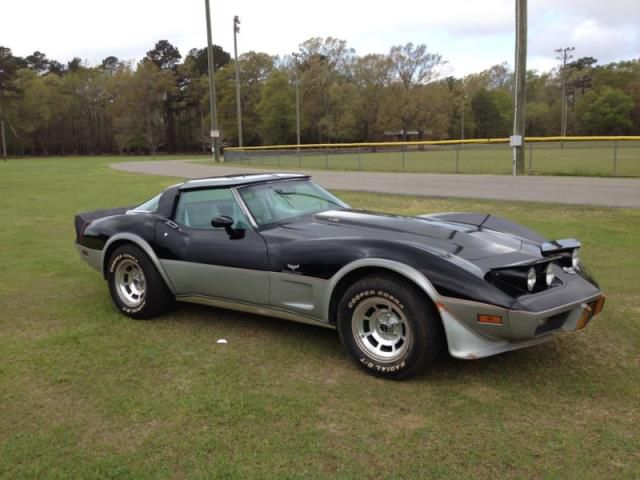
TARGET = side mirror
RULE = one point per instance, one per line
(226, 222)
(222, 222)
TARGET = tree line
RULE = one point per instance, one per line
(162, 102)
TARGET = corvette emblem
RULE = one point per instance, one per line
(293, 268)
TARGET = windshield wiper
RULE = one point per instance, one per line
(310, 195)
(284, 196)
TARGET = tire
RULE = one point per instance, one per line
(136, 287)
(388, 327)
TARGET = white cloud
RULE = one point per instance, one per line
(590, 36)
(471, 34)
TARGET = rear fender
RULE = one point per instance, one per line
(139, 242)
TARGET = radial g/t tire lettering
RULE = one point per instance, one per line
(389, 327)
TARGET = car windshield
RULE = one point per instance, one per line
(284, 201)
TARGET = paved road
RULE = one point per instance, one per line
(613, 192)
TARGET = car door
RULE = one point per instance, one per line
(213, 262)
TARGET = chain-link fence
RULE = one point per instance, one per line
(602, 157)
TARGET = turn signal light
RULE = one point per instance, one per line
(599, 305)
(490, 319)
(587, 313)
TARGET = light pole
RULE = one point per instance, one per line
(563, 56)
(464, 100)
(236, 30)
(2, 136)
(297, 81)
(520, 77)
(215, 133)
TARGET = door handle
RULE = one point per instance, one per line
(171, 224)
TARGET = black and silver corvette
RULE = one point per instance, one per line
(398, 289)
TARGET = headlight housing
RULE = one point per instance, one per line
(524, 279)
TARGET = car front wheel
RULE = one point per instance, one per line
(136, 287)
(389, 327)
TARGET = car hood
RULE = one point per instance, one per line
(484, 247)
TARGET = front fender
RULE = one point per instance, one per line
(402, 269)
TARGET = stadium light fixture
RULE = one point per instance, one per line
(236, 30)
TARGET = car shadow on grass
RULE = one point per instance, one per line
(559, 358)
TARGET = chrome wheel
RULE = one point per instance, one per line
(130, 283)
(380, 329)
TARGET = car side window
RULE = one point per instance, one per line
(196, 208)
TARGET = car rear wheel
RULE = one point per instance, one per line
(136, 287)
(389, 327)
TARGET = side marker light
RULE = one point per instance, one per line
(490, 319)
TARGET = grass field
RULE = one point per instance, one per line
(576, 158)
(88, 393)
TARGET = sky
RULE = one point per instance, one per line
(471, 35)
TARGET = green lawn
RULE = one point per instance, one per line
(573, 158)
(88, 393)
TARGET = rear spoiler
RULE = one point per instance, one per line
(559, 246)
(81, 220)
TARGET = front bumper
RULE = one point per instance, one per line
(563, 310)
(90, 255)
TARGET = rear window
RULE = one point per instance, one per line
(150, 206)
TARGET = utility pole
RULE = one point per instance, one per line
(564, 55)
(517, 140)
(297, 111)
(215, 133)
(236, 30)
(464, 100)
(2, 135)
(297, 81)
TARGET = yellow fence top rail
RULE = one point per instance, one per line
(434, 142)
